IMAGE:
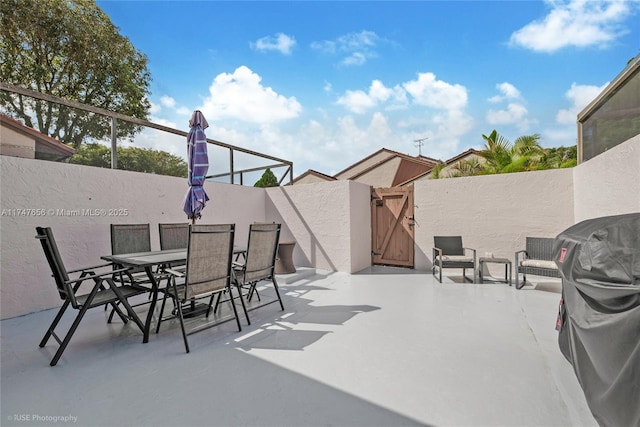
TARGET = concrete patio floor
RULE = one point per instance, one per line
(383, 347)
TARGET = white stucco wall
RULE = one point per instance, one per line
(25, 278)
(330, 221)
(492, 213)
(609, 184)
(327, 221)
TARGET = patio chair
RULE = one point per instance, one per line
(173, 236)
(131, 238)
(448, 252)
(536, 259)
(208, 272)
(127, 239)
(104, 292)
(259, 262)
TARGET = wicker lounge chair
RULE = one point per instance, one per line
(536, 259)
(448, 252)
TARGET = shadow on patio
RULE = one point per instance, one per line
(377, 348)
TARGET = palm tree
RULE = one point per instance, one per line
(437, 171)
(468, 167)
(496, 152)
(503, 157)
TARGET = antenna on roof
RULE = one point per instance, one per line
(419, 144)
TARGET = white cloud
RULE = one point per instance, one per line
(155, 108)
(280, 42)
(170, 103)
(167, 101)
(580, 96)
(515, 114)
(507, 91)
(358, 47)
(358, 101)
(578, 23)
(428, 91)
(242, 96)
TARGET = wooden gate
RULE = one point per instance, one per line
(392, 236)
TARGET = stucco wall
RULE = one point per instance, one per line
(63, 190)
(330, 221)
(609, 184)
(492, 213)
(327, 220)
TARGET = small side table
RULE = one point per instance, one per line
(505, 261)
(284, 263)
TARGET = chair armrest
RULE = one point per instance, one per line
(472, 250)
(92, 268)
(525, 255)
(91, 274)
(175, 272)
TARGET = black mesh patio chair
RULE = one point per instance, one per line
(259, 262)
(104, 291)
(448, 252)
(173, 236)
(208, 272)
(127, 239)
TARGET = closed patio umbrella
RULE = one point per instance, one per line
(198, 162)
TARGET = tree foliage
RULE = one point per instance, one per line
(268, 179)
(501, 156)
(131, 158)
(72, 50)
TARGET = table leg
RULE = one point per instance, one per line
(152, 306)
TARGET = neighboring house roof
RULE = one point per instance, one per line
(45, 146)
(393, 168)
(462, 156)
(311, 176)
(406, 167)
(471, 152)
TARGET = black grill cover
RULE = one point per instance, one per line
(599, 319)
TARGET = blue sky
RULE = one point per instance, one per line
(324, 84)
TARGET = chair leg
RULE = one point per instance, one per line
(520, 285)
(67, 338)
(275, 285)
(132, 314)
(215, 308)
(184, 332)
(244, 307)
(116, 309)
(233, 305)
(55, 322)
(164, 300)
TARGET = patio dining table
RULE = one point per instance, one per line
(149, 260)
